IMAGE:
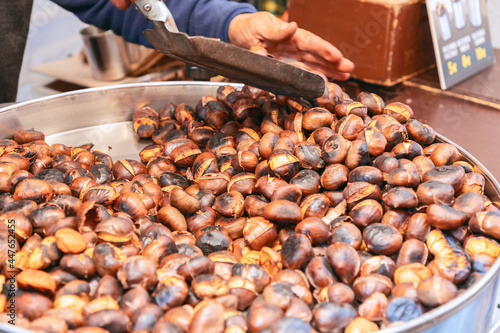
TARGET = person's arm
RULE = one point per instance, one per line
(209, 18)
(237, 23)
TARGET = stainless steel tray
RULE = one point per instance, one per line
(102, 116)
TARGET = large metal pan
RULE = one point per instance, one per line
(102, 116)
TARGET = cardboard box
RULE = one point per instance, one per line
(388, 40)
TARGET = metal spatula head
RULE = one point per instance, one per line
(237, 63)
(225, 59)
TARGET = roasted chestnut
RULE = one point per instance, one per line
(297, 251)
(487, 223)
(344, 260)
(366, 212)
(400, 197)
(213, 241)
(319, 135)
(329, 317)
(421, 133)
(308, 181)
(128, 169)
(229, 204)
(435, 290)
(255, 205)
(473, 182)
(283, 164)
(375, 140)
(33, 189)
(70, 241)
(374, 307)
(334, 177)
(137, 271)
(351, 107)
(373, 102)
(346, 232)
(367, 174)
(444, 154)
(385, 163)
(215, 182)
(317, 117)
(184, 202)
(469, 203)
(358, 191)
(315, 228)
(283, 212)
(357, 154)
(26, 136)
(360, 324)
(444, 217)
(382, 238)
(350, 126)
(435, 192)
(319, 273)
(334, 149)
(403, 177)
(365, 286)
(315, 205)
(309, 155)
(382, 265)
(400, 111)
(402, 309)
(288, 192)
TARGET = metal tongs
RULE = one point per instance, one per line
(225, 59)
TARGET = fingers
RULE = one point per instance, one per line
(345, 65)
(261, 28)
(307, 41)
(259, 50)
(315, 50)
(121, 4)
(278, 31)
(319, 70)
(337, 70)
(316, 53)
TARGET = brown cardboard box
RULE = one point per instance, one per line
(388, 40)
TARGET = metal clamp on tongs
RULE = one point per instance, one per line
(156, 10)
(225, 59)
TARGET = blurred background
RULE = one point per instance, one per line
(54, 34)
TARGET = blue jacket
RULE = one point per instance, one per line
(209, 18)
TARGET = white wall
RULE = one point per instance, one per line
(494, 19)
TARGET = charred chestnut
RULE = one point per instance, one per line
(344, 260)
(373, 102)
(297, 251)
(382, 238)
(329, 317)
(308, 181)
(334, 149)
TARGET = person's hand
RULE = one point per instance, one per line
(121, 4)
(286, 40)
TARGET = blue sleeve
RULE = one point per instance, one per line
(209, 18)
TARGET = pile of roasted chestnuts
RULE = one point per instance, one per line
(248, 212)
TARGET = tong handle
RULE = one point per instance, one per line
(156, 10)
